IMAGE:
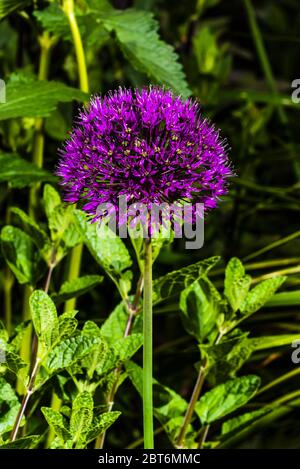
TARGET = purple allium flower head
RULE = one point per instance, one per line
(148, 146)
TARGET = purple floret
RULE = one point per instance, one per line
(149, 146)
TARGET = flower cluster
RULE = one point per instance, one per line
(148, 146)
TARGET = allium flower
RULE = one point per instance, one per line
(148, 146)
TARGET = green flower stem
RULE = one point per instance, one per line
(68, 8)
(132, 309)
(147, 349)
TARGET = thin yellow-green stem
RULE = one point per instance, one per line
(68, 8)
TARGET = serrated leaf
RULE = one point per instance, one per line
(240, 422)
(76, 287)
(200, 304)
(126, 347)
(69, 351)
(19, 173)
(225, 398)
(44, 317)
(101, 424)
(67, 325)
(36, 98)
(21, 254)
(56, 421)
(172, 283)
(51, 199)
(27, 442)
(237, 284)
(260, 294)
(136, 32)
(226, 358)
(108, 249)
(82, 415)
(9, 405)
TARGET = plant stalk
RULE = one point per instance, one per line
(147, 349)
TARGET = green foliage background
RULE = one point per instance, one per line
(238, 59)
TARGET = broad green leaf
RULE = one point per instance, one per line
(69, 351)
(9, 6)
(11, 359)
(237, 284)
(172, 283)
(77, 287)
(82, 415)
(9, 405)
(44, 317)
(240, 422)
(32, 228)
(67, 324)
(51, 199)
(101, 424)
(19, 173)
(107, 249)
(126, 347)
(136, 32)
(227, 357)
(26, 442)
(260, 294)
(36, 98)
(58, 422)
(21, 255)
(226, 398)
(200, 306)
(114, 326)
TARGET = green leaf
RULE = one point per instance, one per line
(260, 294)
(114, 326)
(227, 357)
(101, 424)
(226, 398)
(237, 284)
(36, 98)
(200, 307)
(240, 422)
(56, 421)
(32, 228)
(21, 254)
(107, 249)
(82, 415)
(172, 283)
(44, 317)
(9, 405)
(69, 351)
(136, 32)
(67, 324)
(27, 442)
(9, 6)
(51, 199)
(126, 347)
(76, 287)
(289, 298)
(19, 173)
